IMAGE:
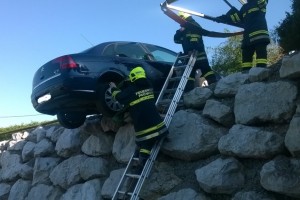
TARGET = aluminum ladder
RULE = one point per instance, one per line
(169, 98)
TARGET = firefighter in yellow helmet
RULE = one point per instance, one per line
(190, 37)
(138, 95)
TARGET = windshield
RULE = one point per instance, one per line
(160, 53)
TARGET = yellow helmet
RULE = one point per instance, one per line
(136, 73)
(183, 15)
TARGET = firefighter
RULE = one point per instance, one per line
(190, 37)
(251, 17)
(139, 97)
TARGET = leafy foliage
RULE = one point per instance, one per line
(275, 53)
(227, 57)
(288, 30)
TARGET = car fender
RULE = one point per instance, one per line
(111, 76)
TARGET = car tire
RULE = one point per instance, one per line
(106, 105)
(70, 120)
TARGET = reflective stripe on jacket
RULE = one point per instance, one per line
(191, 38)
(146, 119)
(252, 16)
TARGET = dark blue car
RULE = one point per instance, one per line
(76, 85)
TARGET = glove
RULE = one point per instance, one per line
(114, 92)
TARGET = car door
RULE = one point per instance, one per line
(130, 55)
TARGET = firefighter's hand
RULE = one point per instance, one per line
(112, 85)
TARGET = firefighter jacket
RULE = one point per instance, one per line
(139, 98)
(191, 36)
(251, 17)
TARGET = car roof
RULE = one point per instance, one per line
(98, 49)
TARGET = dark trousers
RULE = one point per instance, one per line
(144, 147)
(261, 55)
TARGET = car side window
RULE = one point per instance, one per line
(130, 50)
(109, 50)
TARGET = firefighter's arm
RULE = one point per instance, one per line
(122, 96)
(194, 27)
(114, 90)
(232, 17)
(178, 36)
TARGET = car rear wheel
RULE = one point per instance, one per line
(71, 120)
(106, 105)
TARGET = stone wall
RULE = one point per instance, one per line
(238, 139)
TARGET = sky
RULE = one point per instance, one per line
(34, 32)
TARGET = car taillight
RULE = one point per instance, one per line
(66, 62)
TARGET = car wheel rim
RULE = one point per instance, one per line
(110, 102)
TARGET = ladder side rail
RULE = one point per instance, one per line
(159, 97)
(143, 176)
(147, 168)
(178, 94)
(154, 153)
(190, 62)
(115, 196)
(175, 100)
(165, 85)
(180, 90)
(155, 150)
(168, 78)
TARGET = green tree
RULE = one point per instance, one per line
(227, 57)
(275, 53)
(288, 30)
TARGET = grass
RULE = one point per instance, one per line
(5, 133)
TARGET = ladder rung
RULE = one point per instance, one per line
(135, 159)
(178, 78)
(133, 176)
(164, 101)
(125, 193)
(170, 90)
(179, 67)
(168, 101)
(183, 57)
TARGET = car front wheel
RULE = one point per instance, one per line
(106, 105)
(70, 120)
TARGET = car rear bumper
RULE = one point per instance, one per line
(71, 100)
(63, 97)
